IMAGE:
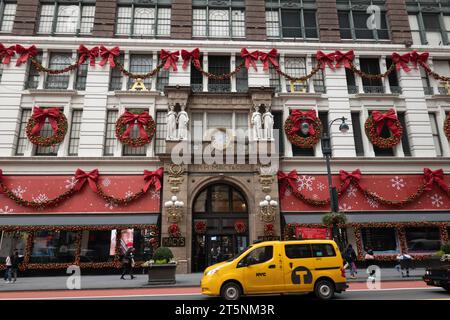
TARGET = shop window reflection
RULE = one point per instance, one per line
(95, 246)
(53, 247)
(11, 241)
(424, 239)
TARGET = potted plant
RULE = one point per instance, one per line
(162, 268)
(440, 257)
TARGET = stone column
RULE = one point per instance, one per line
(397, 19)
(255, 20)
(105, 18)
(327, 20)
(181, 19)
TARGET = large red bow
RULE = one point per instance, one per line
(187, 56)
(40, 115)
(401, 61)
(108, 56)
(250, 58)
(430, 176)
(348, 178)
(140, 119)
(153, 178)
(25, 53)
(325, 59)
(91, 178)
(170, 59)
(298, 117)
(7, 53)
(389, 118)
(270, 56)
(419, 58)
(344, 58)
(285, 180)
(84, 53)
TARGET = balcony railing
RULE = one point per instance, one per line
(196, 87)
(396, 90)
(352, 89)
(320, 89)
(428, 91)
(219, 87)
(373, 89)
(443, 90)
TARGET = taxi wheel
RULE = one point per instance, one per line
(324, 289)
(231, 291)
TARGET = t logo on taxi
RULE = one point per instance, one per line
(301, 271)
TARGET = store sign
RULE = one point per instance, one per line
(173, 241)
(311, 233)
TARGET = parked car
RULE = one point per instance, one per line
(438, 276)
(279, 267)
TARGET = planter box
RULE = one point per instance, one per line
(162, 273)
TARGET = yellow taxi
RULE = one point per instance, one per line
(279, 267)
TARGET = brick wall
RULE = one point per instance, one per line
(328, 22)
(26, 17)
(255, 19)
(181, 25)
(397, 19)
(105, 18)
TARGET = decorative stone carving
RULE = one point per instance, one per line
(171, 121)
(256, 123)
(175, 177)
(183, 120)
(268, 124)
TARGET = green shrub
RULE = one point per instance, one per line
(162, 255)
(334, 218)
(446, 248)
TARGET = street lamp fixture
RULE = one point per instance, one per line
(268, 208)
(174, 209)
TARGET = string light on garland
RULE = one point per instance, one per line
(447, 126)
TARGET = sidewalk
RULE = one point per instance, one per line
(183, 280)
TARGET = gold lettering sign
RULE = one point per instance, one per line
(302, 84)
(138, 85)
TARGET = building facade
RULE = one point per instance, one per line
(393, 205)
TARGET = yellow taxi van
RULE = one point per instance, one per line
(279, 267)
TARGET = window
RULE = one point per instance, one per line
(318, 79)
(274, 78)
(16, 240)
(435, 132)
(141, 63)
(110, 138)
(278, 130)
(258, 255)
(423, 239)
(74, 139)
(219, 120)
(1, 72)
(352, 88)
(323, 250)
(241, 77)
(219, 65)
(405, 140)
(371, 66)
(357, 136)
(135, 133)
(296, 19)
(161, 132)
(22, 139)
(54, 247)
(96, 246)
(151, 20)
(197, 77)
(32, 81)
(58, 61)
(298, 251)
(393, 78)
(427, 88)
(115, 79)
(296, 67)
(7, 15)
(81, 76)
(47, 131)
(162, 79)
(380, 239)
(75, 17)
(384, 152)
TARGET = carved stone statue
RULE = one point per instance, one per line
(171, 124)
(183, 120)
(256, 122)
(268, 124)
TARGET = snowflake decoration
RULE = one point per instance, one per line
(111, 205)
(305, 182)
(19, 191)
(436, 200)
(42, 197)
(288, 192)
(155, 194)
(398, 183)
(372, 202)
(351, 191)
(106, 182)
(320, 186)
(6, 209)
(70, 183)
(345, 207)
(129, 194)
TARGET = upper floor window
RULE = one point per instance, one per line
(219, 65)
(293, 19)
(218, 19)
(72, 17)
(296, 67)
(58, 61)
(22, 139)
(33, 77)
(135, 18)
(7, 15)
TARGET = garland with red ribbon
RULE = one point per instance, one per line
(57, 120)
(240, 227)
(374, 125)
(447, 126)
(293, 125)
(125, 124)
(200, 227)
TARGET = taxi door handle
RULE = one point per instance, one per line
(272, 266)
(290, 264)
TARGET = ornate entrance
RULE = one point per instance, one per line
(220, 225)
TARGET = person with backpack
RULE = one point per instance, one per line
(350, 258)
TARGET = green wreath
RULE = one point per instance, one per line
(380, 142)
(54, 139)
(149, 128)
(303, 142)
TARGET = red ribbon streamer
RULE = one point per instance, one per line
(170, 59)
(40, 115)
(108, 56)
(344, 58)
(348, 178)
(250, 58)
(270, 56)
(187, 56)
(389, 118)
(298, 117)
(285, 180)
(420, 58)
(153, 178)
(132, 119)
(325, 59)
(90, 177)
(7, 53)
(25, 53)
(430, 176)
(401, 61)
(84, 53)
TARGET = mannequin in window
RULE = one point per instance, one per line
(171, 123)
(183, 120)
(257, 124)
(268, 124)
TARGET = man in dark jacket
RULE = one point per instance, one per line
(128, 263)
(15, 260)
(349, 256)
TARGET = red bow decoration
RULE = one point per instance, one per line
(187, 56)
(250, 58)
(108, 56)
(7, 53)
(270, 56)
(1, 175)
(419, 58)
(153, 178)
(430, 176)
(401, 61)
(298, 117)
(40, 115)
(389, 118)
(344, 58)
(25, 53)
(286, 180)
(170, 59)
(325, 59)
(348, 178)
(91, 178)
(84, 53)
(140, 119)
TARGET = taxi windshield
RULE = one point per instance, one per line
(239, 253)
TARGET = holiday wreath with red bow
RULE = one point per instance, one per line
(174, 230)
(240, 227)
(447, 126)
(57, 121)
(200, 227)
(293, 125)
(126, 123)
(374, 126)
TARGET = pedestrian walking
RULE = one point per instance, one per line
(128, 263)
(8, 264)
(15, 260)
(350, 258)
(405, 261)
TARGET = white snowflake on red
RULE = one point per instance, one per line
(40, 198)
(320, 186)
(398, 183)
(372, 202)
(155, 194)
(106, 182)
(6, 209)
(19, 191)
(345, 207)
(129, 194)
(305, 183)
(111, 205)
(70, 183)
(351, 191)
(436, 200)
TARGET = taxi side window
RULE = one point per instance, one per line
(298, 251)
(323, 250)
(258, 255)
